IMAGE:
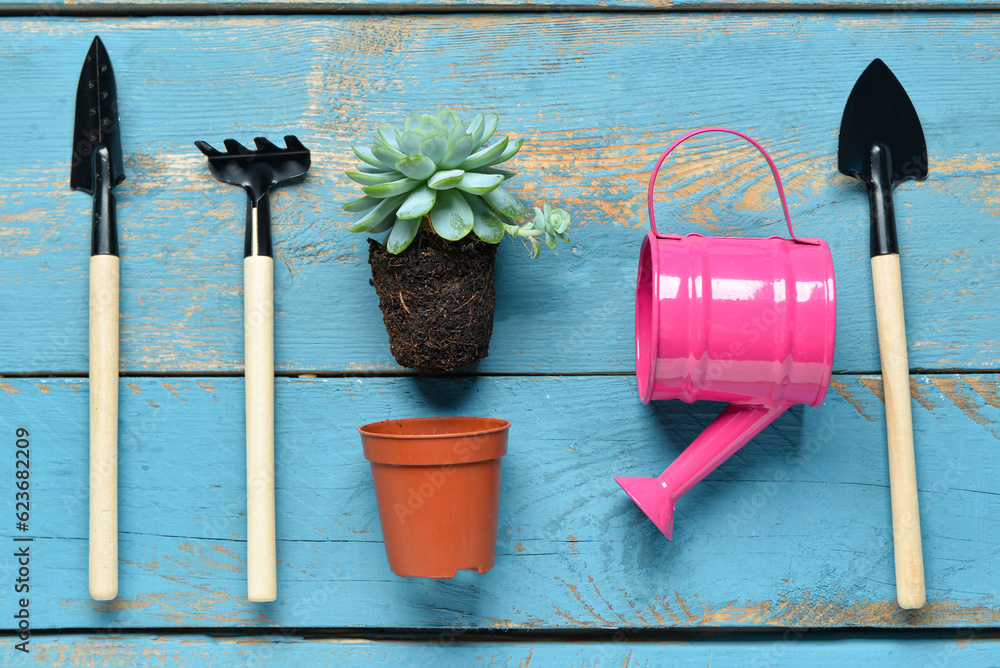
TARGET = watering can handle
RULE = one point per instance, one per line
(770, 162)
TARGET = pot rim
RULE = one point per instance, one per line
(500, 425)
(429, 449)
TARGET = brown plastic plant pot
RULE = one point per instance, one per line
(437, 484)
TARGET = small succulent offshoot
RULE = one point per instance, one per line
(443, 174)
(548, 221)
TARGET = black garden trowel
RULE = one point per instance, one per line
(882, 143)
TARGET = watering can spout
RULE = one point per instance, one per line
(734, 428)
(653, 498)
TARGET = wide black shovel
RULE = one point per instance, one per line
(882, 143)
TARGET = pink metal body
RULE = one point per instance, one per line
(749, 321)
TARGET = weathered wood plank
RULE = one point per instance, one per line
(794, 531)
(148, 651)
(596, 96)
(104, 7)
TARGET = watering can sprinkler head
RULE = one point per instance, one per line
(653, 498)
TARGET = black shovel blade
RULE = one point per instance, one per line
(96, 119)
(879, 111)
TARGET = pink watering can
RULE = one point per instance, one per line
(749, 321)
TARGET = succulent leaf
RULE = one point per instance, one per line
(411, 122)
(365, 155)
(417, 204)
(410, 142)
(389, 134)
(387, 156)
(485, 157)
(371, 219)
(384, 226)
(449, 119)
(502, 202)
(456, 133)
(474, 126)
(506, 173)
(361, 204)
(428, 124)
(416, 167)
(369, 169)
(451, 216)
(435, 147)
(446, 179)
(486, 223)
(458, 152)
(489, 126)
(399, 187)
(479, 184)
(508, 153)
(402, 235)
(372, 179)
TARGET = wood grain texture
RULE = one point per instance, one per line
(193, 651)
(899, 431)
(104, 7)
(597, 96)
(258, 320)
(103, 394)
(793, 531)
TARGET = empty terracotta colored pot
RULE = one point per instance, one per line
(437, 483)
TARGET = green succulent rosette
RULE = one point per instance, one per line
(436, 167)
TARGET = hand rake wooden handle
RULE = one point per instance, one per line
(103, 427)
(258, 319)
(910, 592)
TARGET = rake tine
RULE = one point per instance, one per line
(207, 149)
(292, 142)
(236, 148)
(264, 144)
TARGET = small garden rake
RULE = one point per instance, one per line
(256, 171)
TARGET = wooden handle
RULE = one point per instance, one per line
(258, 323)
(899, 425)
(103, 427)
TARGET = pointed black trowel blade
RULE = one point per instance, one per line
(96, 119)
(879, 111)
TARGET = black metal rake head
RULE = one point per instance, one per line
(257, 170)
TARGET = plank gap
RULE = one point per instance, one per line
(150, 10)
(450, 374)
(515, 635)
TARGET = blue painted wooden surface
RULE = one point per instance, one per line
(960, 651)
(30, 7)
(596, 96)
(793, 531)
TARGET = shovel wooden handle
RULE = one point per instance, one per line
(258, 323)
(103, 363)
(910, 592)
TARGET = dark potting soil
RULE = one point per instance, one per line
(437, 300)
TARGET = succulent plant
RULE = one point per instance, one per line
(439, 168)
(553, 223)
